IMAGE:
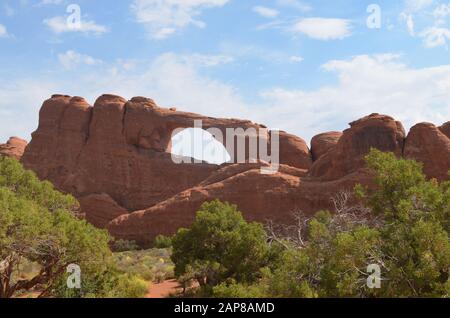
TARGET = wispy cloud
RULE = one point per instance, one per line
(366, 84)
(72, 59)
(47, 2)
(442, 11)
(296, 59)
(266, 12)
(295, 4)
(410, 24)
(434, 31)
(208, 60)
(435, 36)
(239, 51)
(60, 25)
(323, 28)
(412, 6)
(3, 31)
(163, 18)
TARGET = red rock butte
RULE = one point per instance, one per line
(114, 157)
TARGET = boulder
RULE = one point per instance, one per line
(322, 143)
(14, 148)
(100, 209)
(374, 131)
(429, 145)
(294, 151)
(445, 129)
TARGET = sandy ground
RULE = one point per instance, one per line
(30, 295)
(164, 289)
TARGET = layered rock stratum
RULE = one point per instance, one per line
(115, 158)
(14, 147)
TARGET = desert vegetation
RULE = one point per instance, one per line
(153, 265)
(40, 236)
(401, 226)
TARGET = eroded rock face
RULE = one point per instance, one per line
(260, 197)
(100, 209)
(322, 143)
(147, 126)
(374, 131)
(14, 148)
(87, 150)
(429, 145)
(445, 129)
(121, 148)
(115, 158)
(294, 151)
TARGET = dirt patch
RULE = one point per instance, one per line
(164, 289)
(34, 294)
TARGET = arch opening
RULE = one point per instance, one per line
(199, 144)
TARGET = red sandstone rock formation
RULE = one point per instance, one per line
(100, 209)
(260, 197)
(322, 143)
(445, 129)
(374, 131)
(294, 152)
(115, 148)
(14, 148)
(429, 145)
(115, 158)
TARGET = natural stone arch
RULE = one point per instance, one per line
(196, 144)
(148, 126)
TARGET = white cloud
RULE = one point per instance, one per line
(208, 60)
(59, 25)
(163, 18)
(3, 31)
(413, 7)
(240, 51)
(173, 81)
(435, 36)
(169, 79)
(366, 84)
(46, 2)
(296, 59)
(434, 32)
(323, 28)
(266, 12)
(21, 118)
(71, 59)
(417, 5)
(409, 19)
(296, 4)
(442, 11)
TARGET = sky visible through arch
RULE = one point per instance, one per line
(301, 66)
(196, 143)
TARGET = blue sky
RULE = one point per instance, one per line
(301, 66)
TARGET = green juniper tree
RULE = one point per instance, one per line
(406, 234)
(220, 246)
(38, 228)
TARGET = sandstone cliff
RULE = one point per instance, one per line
(14, 148)
(115, 158)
